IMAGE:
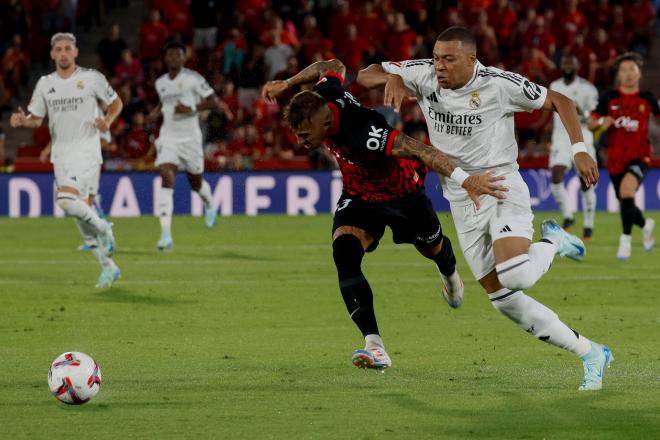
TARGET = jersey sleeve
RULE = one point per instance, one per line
(411, 71)
(367, 131)
(601, 108)
(520, 94)
(653, 102)
(37, 105)
(103, 90)
(202, 87)
(330, 86)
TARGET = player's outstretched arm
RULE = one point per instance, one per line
(211, 102)
(476, 185)
(310, 74)
(395, 89)
(565, 107)
(20, 119)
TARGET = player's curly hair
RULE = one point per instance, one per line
(629, 56)
(302, 107)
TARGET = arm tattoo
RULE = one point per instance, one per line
(407, 147)
(314, 71)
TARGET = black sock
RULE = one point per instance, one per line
(357, 294)
(445, 259)
(630, 215)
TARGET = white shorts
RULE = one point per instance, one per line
(185, 154)
(562, 155)
(478, 229)
(83, 178)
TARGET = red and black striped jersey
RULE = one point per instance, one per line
(361, 141)
(627, 137)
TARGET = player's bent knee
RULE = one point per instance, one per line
(347, 251)
(66, 201)
(516, 273)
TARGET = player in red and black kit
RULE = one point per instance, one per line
(383, 177)
(625, 113)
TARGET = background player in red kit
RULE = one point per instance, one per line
(625, 113)
(383, 185)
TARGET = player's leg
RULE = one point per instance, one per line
(520, 264)
(356, 231)
(166, 204)
(544, 324)
(589, 210)
(630, 213)
(202, 187)
(413, 220)
(88, 240)
(560, 194)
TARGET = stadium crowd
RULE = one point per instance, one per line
(238, 45)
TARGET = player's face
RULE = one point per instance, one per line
(568, 65)
(312, 131)
(174, 58)
(64, 53)
(454, 63)
(629, 74)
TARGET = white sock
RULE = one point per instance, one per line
(523, 271)
(561, 197)
(87, 234)
(205, 193)
(373, 341)
(165, 208)
(589, 207)
(72, 205)
(540, 321)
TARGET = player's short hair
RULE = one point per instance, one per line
(629, 56)
(174, 44)
(62, 36)
(302, 107)
(458, 33)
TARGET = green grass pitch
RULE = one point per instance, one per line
(240, 332)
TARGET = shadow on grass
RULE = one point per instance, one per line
(120, 295)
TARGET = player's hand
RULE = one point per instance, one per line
(102, 125)
(607, 122)
(44, 155)
(273, 89)
(182, 108)
(396, 92)
(18, 118)
(484, 184)
(587, 168)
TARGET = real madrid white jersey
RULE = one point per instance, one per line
(187, 88)
(472, 125)
(585, 96)
(72, 106)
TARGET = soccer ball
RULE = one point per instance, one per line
(74, 378)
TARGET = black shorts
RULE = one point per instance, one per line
(412, 219)
(637, 168)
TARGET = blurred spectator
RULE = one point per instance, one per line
(400, 42)
(370, 23)
(571, 21)
(286, 35)
(152, 37)
(275, 56)
(605, 56)
(538, 37)
(232, 52)
(312, 40)
(642, 20)
(486, 40)
(177, 16)
(109, 49)
(503, 19)
(137, 144)
(128, 69)
(356, 50)
(536, 66)
(585, 56)
(15, 64)
(251, 77)
(205, 22)
(338, 22)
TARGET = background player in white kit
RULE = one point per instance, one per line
(183, 93)
(585, 96)
(469, 111)
(69, 97)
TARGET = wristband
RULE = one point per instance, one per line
(578, 147)
(459, 176)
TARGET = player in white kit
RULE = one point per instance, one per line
(70, 98)
(183, 94)
(469, 111)
(585, 96)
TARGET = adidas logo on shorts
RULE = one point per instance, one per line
(506, 228)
